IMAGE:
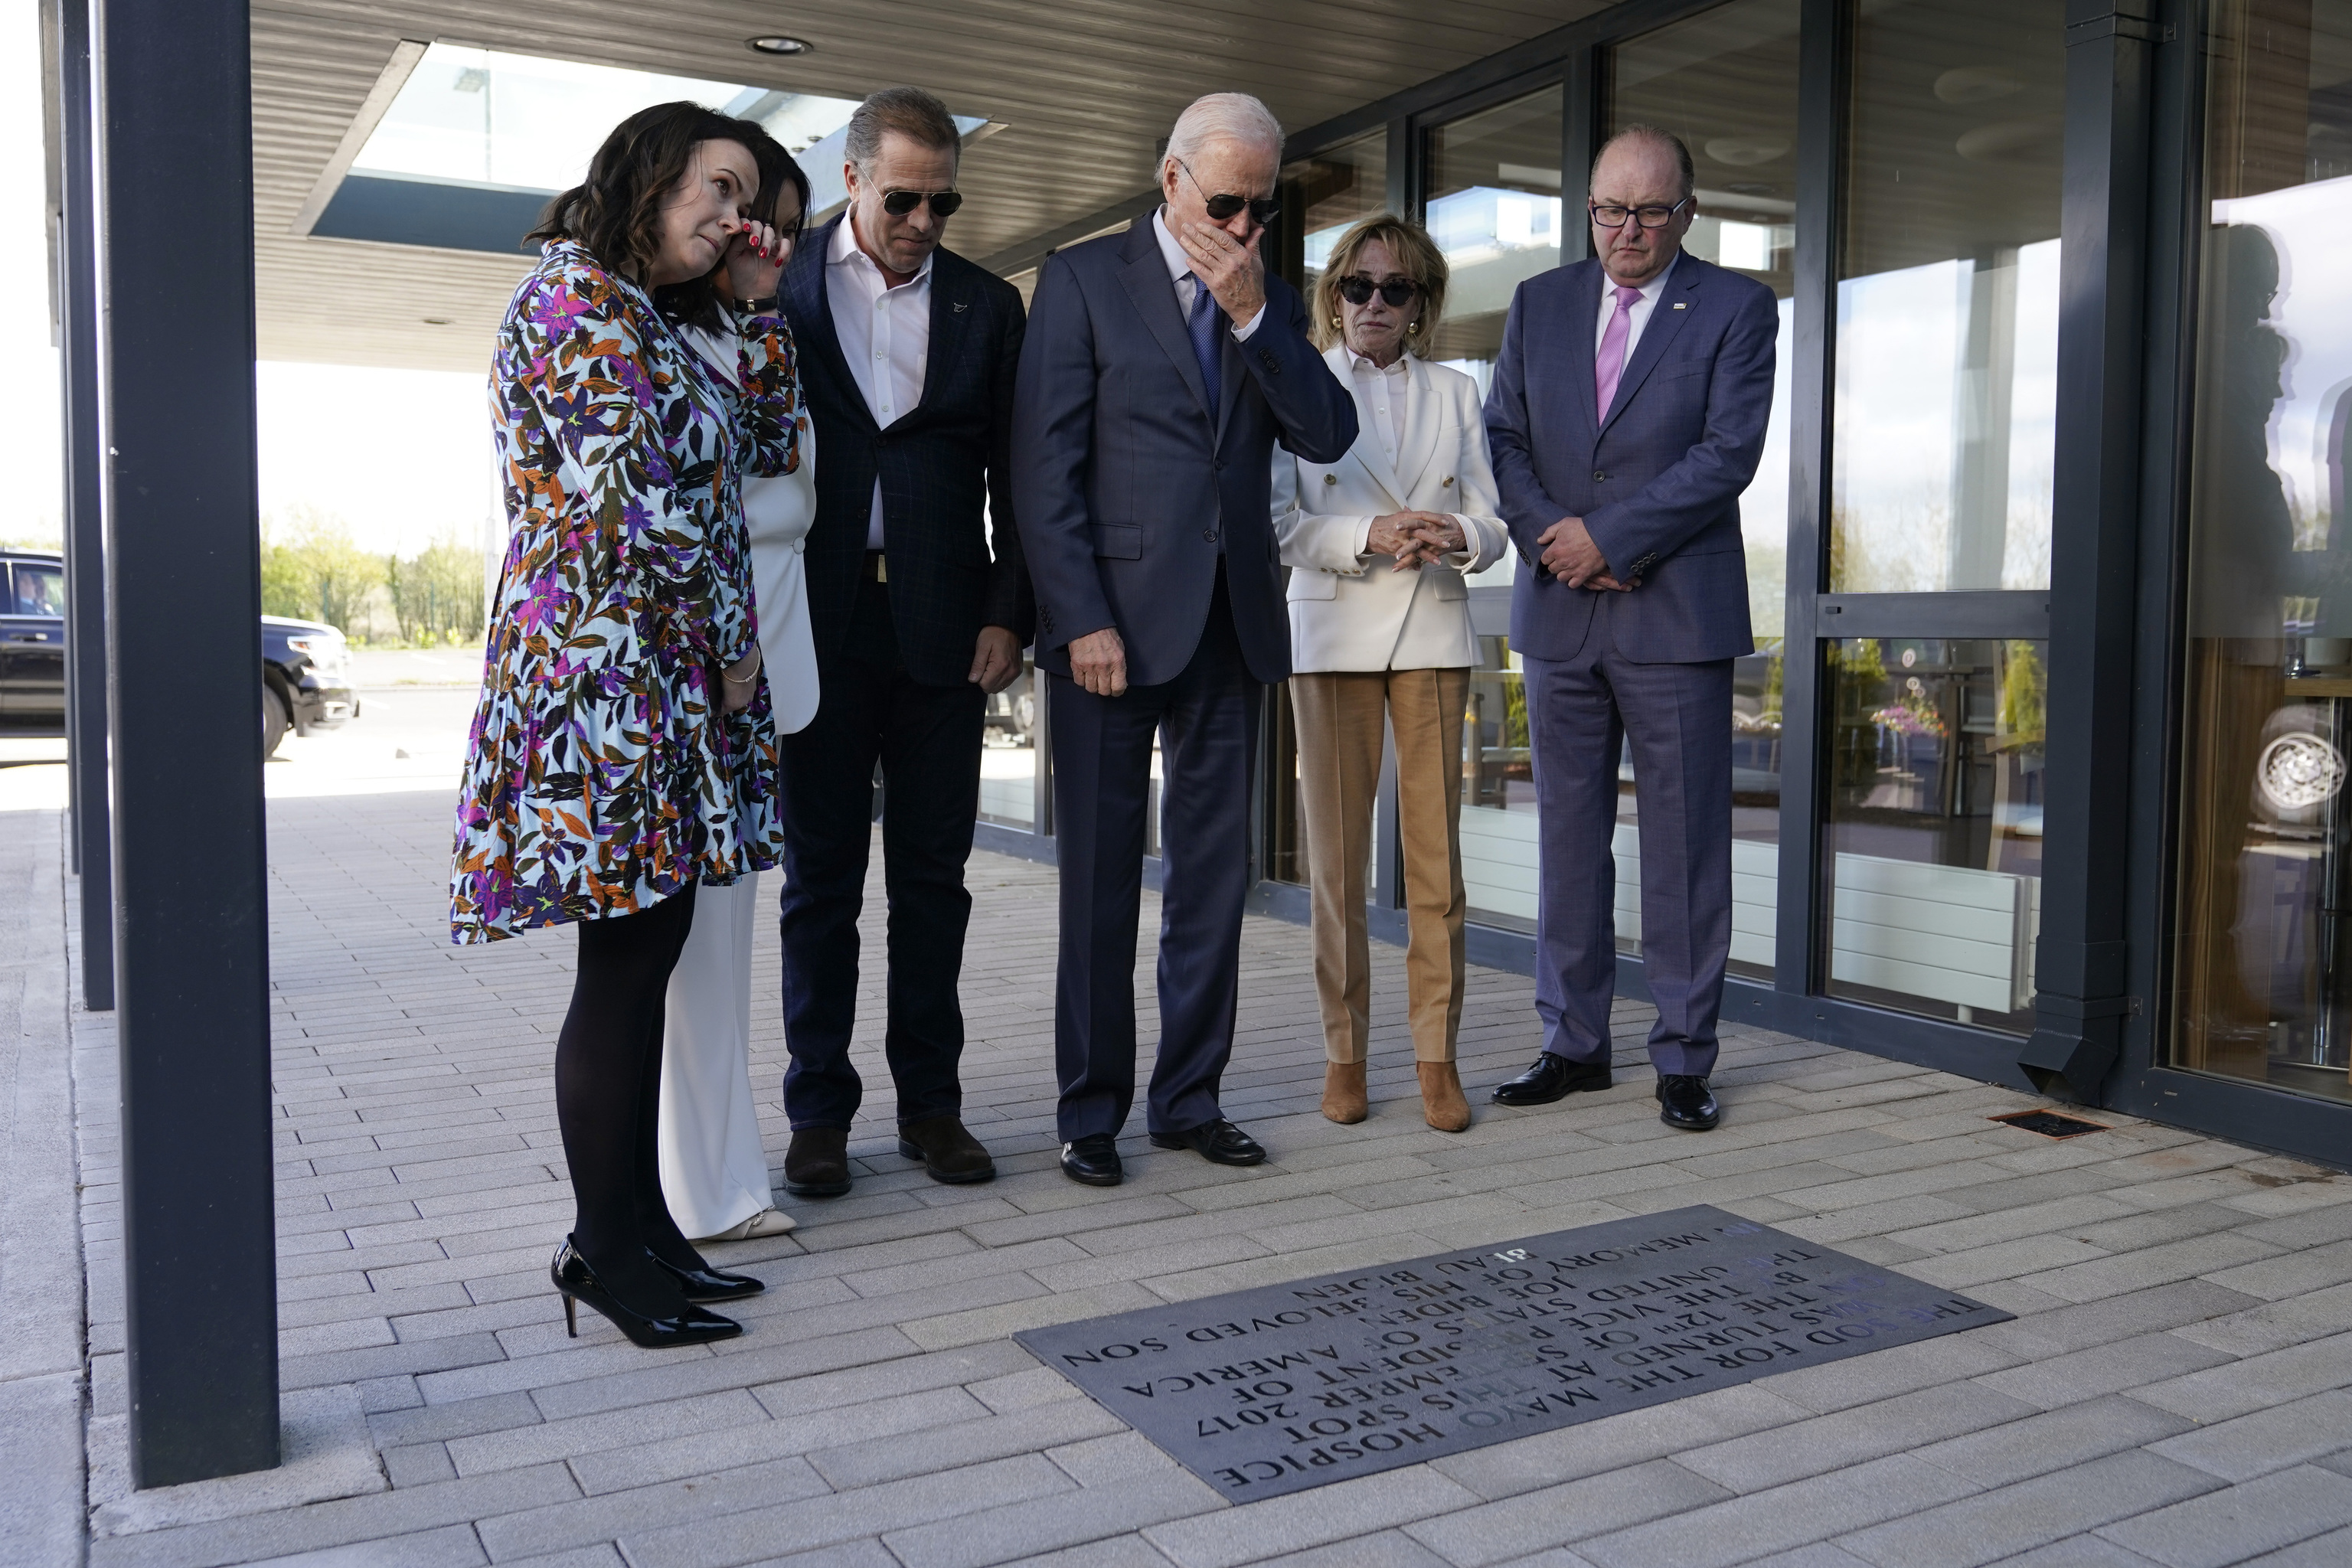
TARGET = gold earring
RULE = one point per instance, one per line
(1336, 324)
(1412, 329)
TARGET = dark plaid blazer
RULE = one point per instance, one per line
(945, 467)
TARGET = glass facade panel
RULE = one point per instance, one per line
(2262, 985)
(1010, 763)
(1331, 191)
(1935, 774)
(1947, 299)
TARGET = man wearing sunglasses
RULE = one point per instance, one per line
(1161, 368)
(1626, 415)
(907, 355)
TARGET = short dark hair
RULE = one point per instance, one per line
(615, 213)
(909, 110)
(1657, 136)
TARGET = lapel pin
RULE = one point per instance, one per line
(962, 305)
(1679, 305)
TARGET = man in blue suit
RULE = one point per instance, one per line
(1626, 415)
(1161, 367)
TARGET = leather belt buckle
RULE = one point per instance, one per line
(877, 567)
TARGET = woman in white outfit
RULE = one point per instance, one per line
(714, 1170)
(1378, 544)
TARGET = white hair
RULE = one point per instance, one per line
(1224, 117)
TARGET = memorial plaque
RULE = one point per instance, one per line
(1284, 1388)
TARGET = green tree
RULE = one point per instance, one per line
(312, 569)
(437, 594)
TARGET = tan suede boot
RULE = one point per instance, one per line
(1442, 1105)
(1344, 1097)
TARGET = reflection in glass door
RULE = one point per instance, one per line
(2263, 985)
(1726, 82)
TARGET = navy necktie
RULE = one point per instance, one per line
(1206, 324)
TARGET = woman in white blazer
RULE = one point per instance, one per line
(714, 1167)
(1378, 544)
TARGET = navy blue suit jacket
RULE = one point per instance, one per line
(1125, 482)
(1658, 483)
(941, 465)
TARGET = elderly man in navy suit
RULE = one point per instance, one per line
(1161, 367)
(1626, 415)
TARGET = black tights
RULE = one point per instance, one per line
(608, 1100)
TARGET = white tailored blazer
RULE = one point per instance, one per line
(1353, 612)
(777, 511)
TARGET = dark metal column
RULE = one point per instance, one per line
(184, 602)
(93, 856)
(1801, 946)
(2080, 965)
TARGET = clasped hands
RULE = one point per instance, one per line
(1570, 556)
(1413, 538)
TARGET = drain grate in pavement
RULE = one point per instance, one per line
(1284, 1388)
(2048, 1123)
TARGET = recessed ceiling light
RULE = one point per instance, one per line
(778, 44)
(438, 320)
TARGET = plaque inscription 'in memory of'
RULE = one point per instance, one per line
(1275, 1389)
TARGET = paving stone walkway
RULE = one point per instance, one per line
(2177, 1389)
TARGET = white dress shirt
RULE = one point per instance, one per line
(1179, 271)
(885, 336)
(1638, 315)
(1383, 393)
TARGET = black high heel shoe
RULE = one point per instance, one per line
(575, 1281)
(706, 1283)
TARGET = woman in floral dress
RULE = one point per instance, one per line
(624, 751)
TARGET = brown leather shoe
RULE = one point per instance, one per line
(817, 1164)
(1441, 1103)
(949, 1152)
(1344, 1097)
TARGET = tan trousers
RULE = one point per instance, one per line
(1339, 717)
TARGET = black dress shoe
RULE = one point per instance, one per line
(575, 1283)
(949, 1152)
(1220, 1142)
(1094, 1160)
(817, 1163)
(1553, 1077)
(1686, 1101)
(706, 1283)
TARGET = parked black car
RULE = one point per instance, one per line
(304, 665)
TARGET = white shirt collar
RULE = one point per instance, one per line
(1649, 292)
(844, 251)
(1358, 363)
(1171, 255)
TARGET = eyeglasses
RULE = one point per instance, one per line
(899, 203)
(1397, 292)
(1224, 205)
(1613, 217)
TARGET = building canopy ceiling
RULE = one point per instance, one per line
(1083, 93)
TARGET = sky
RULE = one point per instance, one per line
(440, 483)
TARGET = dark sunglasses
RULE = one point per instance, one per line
(1221, 206)
(1397, 294)
(899, 203)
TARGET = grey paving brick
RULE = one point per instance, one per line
(1785, 1517)
(1026, 1431)
(2151, 1266)
(1025, 1531)
(2000, 1523)
(2103, 1369)
(2065, 1328)
(2330, 1550)
(2076, 1552)
(2265, 1440)
(1898, 1425)
(2254, 1329)
(802, 1525)
(1335, 1512)
(2239, 1521)
(451, 1546)
(418, 1464)
(1516, 1526)
(1865, 1380)
(2069, 1435)
(584, 1435)
(2273, 1378)
(1615, 1442)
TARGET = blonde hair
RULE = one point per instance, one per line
(1417, 257)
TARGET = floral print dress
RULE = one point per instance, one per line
(603, 776)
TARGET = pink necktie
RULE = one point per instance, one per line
(1609, 365)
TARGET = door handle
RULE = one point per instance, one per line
(28, 636)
